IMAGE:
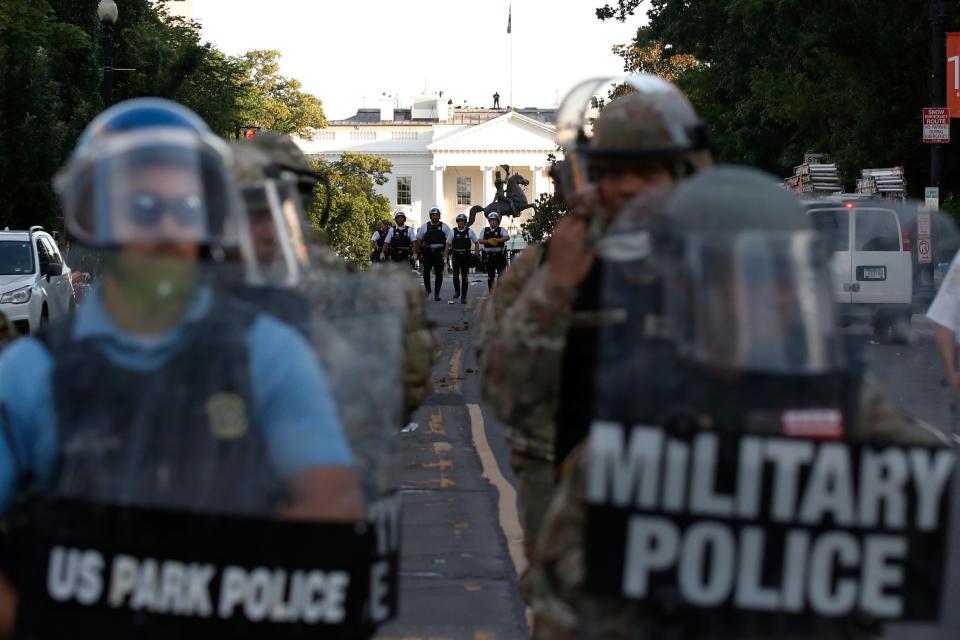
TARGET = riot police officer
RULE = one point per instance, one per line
(378, 240)
(722, 336)
(161, 393)
(540, 388)
(399, 241)
(494, 241)
(464, 247)
(433, 245)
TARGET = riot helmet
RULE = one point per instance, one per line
(148, 171)
(274, 224)
(434, 211)
(637, 123)
(286, 157)
(397, 215)
(461, 217)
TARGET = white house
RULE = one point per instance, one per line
(445, 156)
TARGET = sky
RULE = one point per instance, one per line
(348, 53)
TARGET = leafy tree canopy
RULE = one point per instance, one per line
(356, 209)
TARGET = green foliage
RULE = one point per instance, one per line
(50, 82)
(550, 209)
(775, 82)
(355, 209)
(276, 102)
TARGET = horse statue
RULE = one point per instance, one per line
(512, 203)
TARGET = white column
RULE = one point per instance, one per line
(540, 184)
(437, 187)
(488, 190)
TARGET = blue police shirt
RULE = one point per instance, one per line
(294, 405)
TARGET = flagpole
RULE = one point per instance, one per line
(510, 33)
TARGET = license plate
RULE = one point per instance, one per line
(871, 273)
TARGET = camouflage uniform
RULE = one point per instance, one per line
(561, 608)
(522, 365)
(419, 341)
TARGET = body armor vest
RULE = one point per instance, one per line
(401, 240)
(183, 436)
(461, 240)
(434, 235)
(488, 233)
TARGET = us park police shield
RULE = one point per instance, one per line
(763, 461)
(212, 474)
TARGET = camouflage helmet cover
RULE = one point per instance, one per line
(282, 152)
(650, 120)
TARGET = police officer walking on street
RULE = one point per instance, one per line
(378, 239)
(494, 240)
(399, 240)
(433, 244)
(464, 242)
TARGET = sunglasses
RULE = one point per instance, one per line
(147, 209)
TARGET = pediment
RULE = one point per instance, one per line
(509, 132)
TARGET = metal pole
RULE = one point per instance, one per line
(107, 87)
(938, 76)
(938, 95)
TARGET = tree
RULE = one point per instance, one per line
(276, 102)
(654, 57)
(355, 208)
(775, 82)
(550, 210)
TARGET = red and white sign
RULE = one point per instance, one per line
(823, 424)
(936, 125)
(953, 74)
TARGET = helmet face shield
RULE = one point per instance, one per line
(756, 302)
(634, 121)
(276, 249)
(149, 187)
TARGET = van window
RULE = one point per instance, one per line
(876, 230)
(834, 224)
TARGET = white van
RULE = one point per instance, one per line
(871, 266)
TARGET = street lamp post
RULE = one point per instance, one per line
(107, 12)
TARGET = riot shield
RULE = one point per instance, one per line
(355, 323)
(193, 468)
(762, 462)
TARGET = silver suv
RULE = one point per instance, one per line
(35, 283)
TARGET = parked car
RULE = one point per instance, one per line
(872, 266)
(35, 285)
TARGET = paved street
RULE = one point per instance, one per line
(461, 536)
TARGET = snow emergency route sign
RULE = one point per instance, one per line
(758, 524)
(936, 125)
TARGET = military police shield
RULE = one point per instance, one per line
(760, 461)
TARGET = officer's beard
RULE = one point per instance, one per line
(148, 293)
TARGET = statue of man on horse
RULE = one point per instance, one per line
(510, 199)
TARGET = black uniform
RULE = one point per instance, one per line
(496, 255)
(400, 244)
(432, 256)
(461, 261)
(381, 237)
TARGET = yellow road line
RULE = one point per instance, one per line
(453, 374)
(507, 503)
